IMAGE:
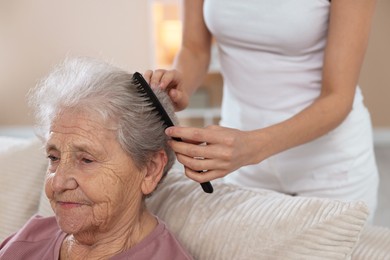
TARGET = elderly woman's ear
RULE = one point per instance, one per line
(154, 172)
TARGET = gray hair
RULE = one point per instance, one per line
(95, 86)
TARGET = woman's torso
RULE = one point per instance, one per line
(271, 57)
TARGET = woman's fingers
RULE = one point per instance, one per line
(188, 147)
(201, 157)
(196, 163)
(170, 79)
(171, 82)
(148, 75)
(210, 134)
(220, 153)
(163, 79)
(186, 133)
(175, 95)
(154, 77)
(202, 150)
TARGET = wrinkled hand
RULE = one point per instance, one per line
(171, 82)
(215, 150)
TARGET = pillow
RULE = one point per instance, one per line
(374, 243)
(22, 172)
(240, 223)
(44, 208)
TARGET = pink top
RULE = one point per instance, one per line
(41, 238)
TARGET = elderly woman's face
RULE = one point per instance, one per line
(91, 182)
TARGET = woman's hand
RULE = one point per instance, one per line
(215, 150)
(171, 81)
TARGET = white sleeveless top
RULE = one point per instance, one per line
(271, 57)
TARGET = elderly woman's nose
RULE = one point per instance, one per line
(64, 177)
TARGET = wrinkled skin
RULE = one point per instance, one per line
(94, 187)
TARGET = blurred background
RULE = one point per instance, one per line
(144, 34)
(134, 35)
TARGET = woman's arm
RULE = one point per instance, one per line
(350, 22)
(191, 63)
(229, 149)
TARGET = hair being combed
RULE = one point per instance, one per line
(97, 87)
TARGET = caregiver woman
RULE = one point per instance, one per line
(293, 118)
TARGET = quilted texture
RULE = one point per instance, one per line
(238, 223)
(22, 172)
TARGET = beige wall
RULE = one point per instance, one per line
(375, 76)
(34, 35)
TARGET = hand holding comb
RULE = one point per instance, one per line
(146, 91)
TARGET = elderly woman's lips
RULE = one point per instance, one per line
(68, 204)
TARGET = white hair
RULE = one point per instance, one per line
(94, 86)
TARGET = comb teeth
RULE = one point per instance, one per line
(146, 91)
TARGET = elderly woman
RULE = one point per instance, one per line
(107, 151)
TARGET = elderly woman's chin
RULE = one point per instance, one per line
(72, 218)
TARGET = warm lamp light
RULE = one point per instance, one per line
(170, 38)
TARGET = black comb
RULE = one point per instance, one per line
(147, 91)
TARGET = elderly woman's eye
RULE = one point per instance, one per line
(85, 160)
(52, 158)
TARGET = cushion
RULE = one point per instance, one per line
(240, 223)
(44, 208)
(374, 243)
(22, 172)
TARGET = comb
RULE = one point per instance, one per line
(146, 91)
